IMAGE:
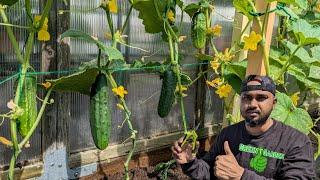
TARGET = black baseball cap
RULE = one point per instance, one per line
(266, 84)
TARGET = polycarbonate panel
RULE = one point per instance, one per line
(8, 67)
(144, 88)
(224, 16)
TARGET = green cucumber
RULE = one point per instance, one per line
(198, 30)
(167, 96)
(28, 102)
(100, 115)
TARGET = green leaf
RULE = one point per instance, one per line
(192, 8)
(300, 3)
(147, 12)
(314, 72)
(244, 7)
(275, 68)
(236, 68)
(315, 51)
(111, 52)
(301, 55)
(78, 82)
(234, 73)
(305, 33)
(8, 2)
(287, 12)
(295, 117)
(203, 57)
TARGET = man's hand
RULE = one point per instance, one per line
(226, 166)
(182, 154)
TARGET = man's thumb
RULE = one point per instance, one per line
(227, 149)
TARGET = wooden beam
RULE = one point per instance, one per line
(26, 172)
(256, 58)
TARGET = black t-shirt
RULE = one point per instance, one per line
(281, 152)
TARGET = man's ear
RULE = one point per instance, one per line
(275, 100)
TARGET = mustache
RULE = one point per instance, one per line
(252, 111)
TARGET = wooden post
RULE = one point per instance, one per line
(256, 58)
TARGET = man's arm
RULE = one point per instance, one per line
(299, 162)
(203, 168)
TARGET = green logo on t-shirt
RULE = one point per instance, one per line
(259, 161)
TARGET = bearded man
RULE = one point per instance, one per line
(255, 149)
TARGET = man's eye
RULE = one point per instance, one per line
(261, 98)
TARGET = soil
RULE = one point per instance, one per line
(147, 173)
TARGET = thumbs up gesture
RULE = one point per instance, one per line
(226, 166)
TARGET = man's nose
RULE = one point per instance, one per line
(253, 103)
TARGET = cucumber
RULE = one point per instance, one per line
(198, 30)
(100, 116)
(167, 96)
(28, 102)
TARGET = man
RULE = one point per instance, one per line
(257, 148)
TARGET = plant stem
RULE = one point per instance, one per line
(126, 21)
(174, 54)
(34, 126)
(11, 36)
(288, 63)
(127, 119)
(262, 43)
(110, 23)
(45, 12)
(199, 76)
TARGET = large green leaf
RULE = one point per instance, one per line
(8, 2)
(301, 55)
(305, 33)
(147, 12)
(234, 73)
(111, 52)
(78, 82)
(288, 114)
(302, 77)
(244, 7)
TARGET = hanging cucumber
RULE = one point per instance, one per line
(100, 116)
(198, 30)
(28, 101)
(167, 96)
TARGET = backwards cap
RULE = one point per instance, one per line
(266, 84)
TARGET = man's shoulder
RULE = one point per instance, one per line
(234, 127)
(289, 131)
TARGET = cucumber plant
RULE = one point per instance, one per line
(24, 116)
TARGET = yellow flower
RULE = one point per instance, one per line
(295, 98)
(120, 91)
(317, 7)
(214, 83)
(182, 38)
(113, 7)
(5, 141)
(215, 30)
(251, 41)
(46, 85)
(120, 106)
(37, 18)
(183, 88)
(215, 65)
(43, 35)
(170, 16)
(224, 90)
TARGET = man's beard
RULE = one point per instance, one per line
(259, 122)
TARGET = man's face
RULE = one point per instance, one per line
(256, 106)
